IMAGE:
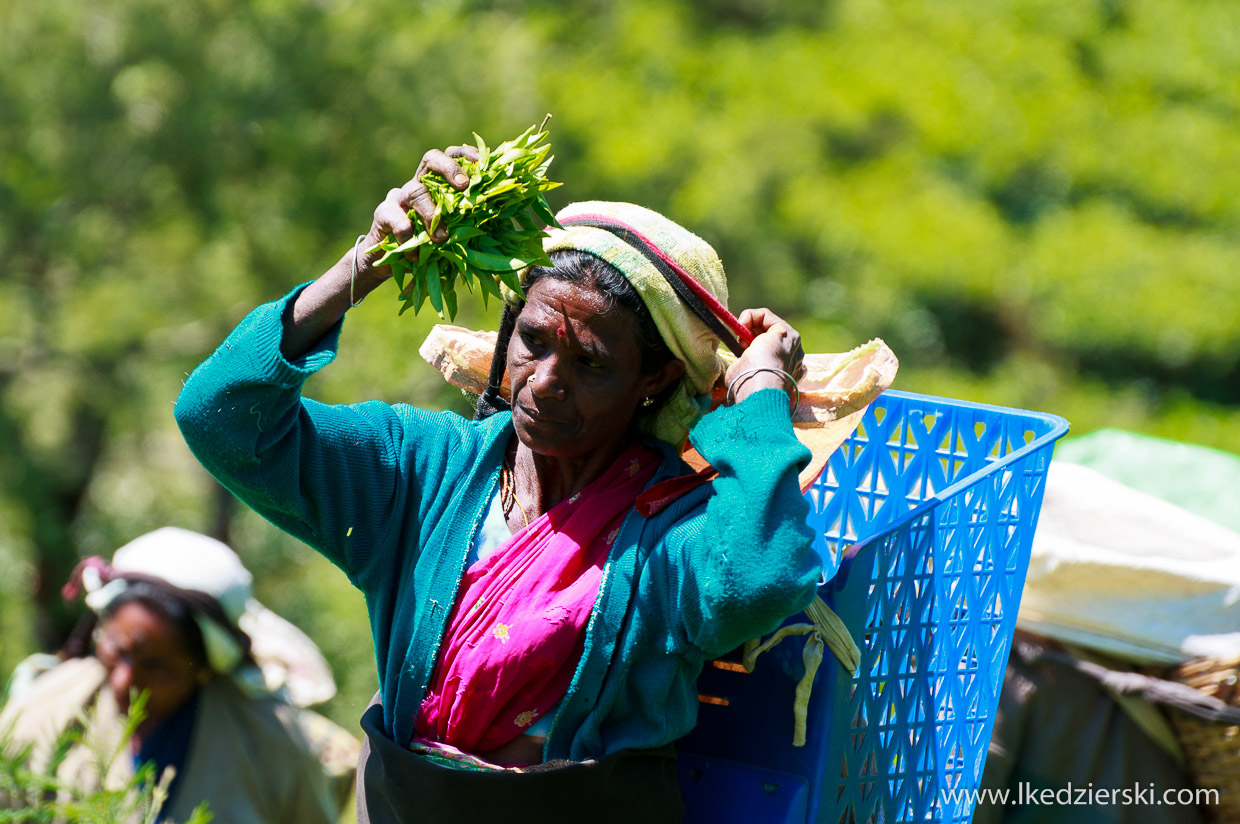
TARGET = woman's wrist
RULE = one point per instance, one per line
(754, 379)
(322, 304)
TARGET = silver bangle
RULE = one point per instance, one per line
(794, 397)
(353, 273)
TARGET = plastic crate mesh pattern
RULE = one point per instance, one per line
(932, 507)
(926, 518)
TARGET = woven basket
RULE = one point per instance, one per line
(1212, 750)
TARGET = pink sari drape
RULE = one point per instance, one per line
(517, 630)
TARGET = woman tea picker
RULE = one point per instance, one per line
(224, 678)
(538, 638)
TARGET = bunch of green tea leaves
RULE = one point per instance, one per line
(34, 794)
(494, 227)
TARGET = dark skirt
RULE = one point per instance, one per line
(395, 785)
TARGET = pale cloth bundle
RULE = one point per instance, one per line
(1126, 573)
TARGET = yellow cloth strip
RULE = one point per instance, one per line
(826, 630)
(836, 636)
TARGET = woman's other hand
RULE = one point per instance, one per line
(323, 303)
(776, 345)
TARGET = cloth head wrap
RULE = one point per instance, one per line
(209, 578)
(201, 572)
(636, 241)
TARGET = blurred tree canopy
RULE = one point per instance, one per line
(1033, 202)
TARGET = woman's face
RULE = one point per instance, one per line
(575, 366)
(142, 650)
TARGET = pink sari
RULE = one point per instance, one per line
(517, 629)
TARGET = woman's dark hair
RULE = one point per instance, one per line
(168, 606)
(587, 270)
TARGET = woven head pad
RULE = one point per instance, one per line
(685, 334)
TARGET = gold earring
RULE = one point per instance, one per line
(648, 401)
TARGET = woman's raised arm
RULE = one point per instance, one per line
(330, 475)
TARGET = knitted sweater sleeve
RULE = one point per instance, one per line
(745, 560)
(331, 476)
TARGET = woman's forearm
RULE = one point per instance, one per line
(322, 304)
(753, 562)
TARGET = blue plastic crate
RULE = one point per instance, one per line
(926, 515)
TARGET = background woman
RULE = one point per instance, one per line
(170, 609)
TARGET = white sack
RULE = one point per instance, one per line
(1123, 572)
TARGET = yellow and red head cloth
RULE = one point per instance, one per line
(682, 283)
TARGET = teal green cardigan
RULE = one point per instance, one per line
(394, 495)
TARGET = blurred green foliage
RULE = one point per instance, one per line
(32, 791)
(1032, 201)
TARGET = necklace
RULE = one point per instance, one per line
(508, 491)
